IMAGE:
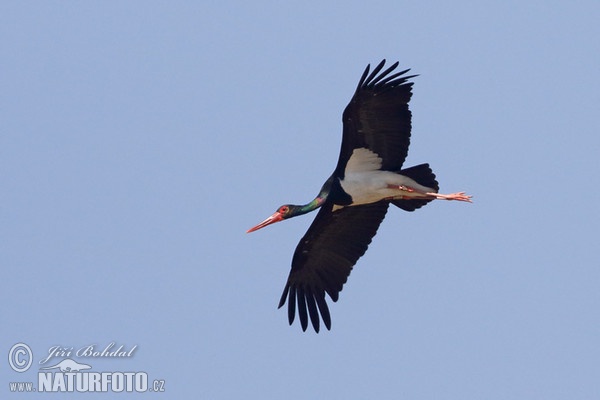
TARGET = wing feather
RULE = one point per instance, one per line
(325, 256)
(378, 118)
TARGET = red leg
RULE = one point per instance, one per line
(416, 194)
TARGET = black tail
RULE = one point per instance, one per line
(423, 175)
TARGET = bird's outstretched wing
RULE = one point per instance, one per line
(378, 117)
(325, 256)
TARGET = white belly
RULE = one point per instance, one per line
(366, 183)
(372, 186)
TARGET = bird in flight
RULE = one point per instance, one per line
(354, 199)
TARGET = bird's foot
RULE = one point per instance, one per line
(459, 196)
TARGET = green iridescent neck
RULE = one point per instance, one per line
(313, 205)
(295, 210)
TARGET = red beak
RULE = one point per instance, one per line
(271, 220)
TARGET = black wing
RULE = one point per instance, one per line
(423, 175)
(325, 256)
(378, 118)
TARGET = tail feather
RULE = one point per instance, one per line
(423, 175)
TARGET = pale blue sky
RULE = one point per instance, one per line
(141, 139)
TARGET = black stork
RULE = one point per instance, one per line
(355, 198)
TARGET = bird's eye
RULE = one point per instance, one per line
(283, 209)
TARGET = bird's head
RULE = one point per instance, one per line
(283, 212)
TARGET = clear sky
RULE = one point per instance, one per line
(140, 140)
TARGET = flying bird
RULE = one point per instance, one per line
(354, 199)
